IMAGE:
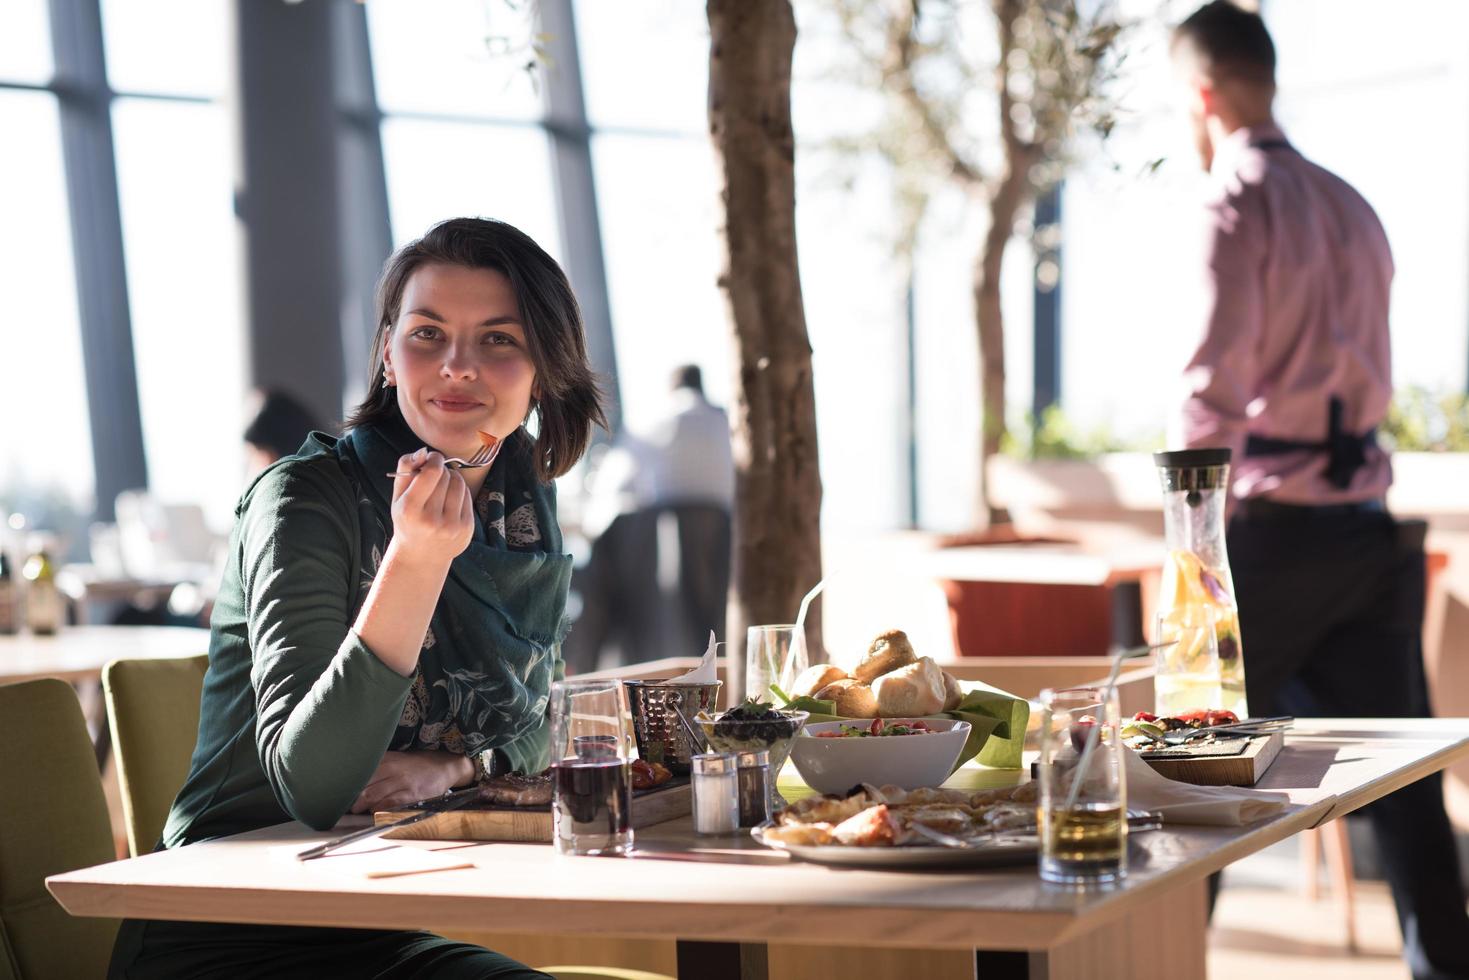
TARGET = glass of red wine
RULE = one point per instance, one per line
(591, 751)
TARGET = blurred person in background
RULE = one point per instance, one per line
(278, 427)
(658, 513)
(1293, 375)
(388, 628)
(687, 454)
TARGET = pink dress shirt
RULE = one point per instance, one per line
(1296, 307)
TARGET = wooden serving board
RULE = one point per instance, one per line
(532, 823)
(1198, 766)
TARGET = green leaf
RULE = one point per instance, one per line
(812, 705)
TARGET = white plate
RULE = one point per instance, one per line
(1001, 853)
(1004, 852)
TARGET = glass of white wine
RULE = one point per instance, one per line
(1083, 795)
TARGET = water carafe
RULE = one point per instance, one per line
(1205, 668)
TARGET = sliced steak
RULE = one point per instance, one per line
(517, 789)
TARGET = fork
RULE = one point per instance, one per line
(484, 456)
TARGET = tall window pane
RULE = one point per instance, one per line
(453, 57)
(440, 170)
(1363, 118)
(183, 262)
(173, 47)
(645, 64)
(25, 42)
(660, 239)
(41, 374)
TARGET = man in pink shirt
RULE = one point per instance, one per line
(1292, 375)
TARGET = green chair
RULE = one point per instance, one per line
(53, 818)
(153, 710)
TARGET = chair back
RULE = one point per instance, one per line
(153, 708)
(53, 818)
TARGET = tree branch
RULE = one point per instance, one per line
(899, 55)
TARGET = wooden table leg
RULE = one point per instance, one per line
(1310, 863)
(1168, 933)
(722, 961)
(1338, 848)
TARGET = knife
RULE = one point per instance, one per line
(426, 808)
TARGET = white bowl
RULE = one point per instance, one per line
(835, 765)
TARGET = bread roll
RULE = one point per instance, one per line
(853, 700)
(953, 693)
(814, 678)
(911, 691)
(888, 652)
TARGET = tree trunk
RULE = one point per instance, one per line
(990, 323)
(1006, 199)
(777, 539)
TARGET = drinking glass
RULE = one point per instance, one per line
(1083, 797)
(591, 752)
(773, 655)
(1187, 674)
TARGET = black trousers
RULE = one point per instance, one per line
(1331, 616)
(148, 950)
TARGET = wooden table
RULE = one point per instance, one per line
(725, 900)
(78, 653)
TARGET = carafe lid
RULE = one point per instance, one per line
(1192, 471)
(1192, 458)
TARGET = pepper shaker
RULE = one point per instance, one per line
(753, 772)
(716, 796)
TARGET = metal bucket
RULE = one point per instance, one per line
(661, 737)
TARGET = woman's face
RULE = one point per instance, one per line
(458, 358)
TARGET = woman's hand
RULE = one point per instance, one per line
(433, 515)
(407, 777)
(433, 521)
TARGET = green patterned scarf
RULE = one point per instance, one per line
(494, 643)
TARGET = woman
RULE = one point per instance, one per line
(386, 623)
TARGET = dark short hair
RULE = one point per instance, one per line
(688, 376)
(1233, 41)
(569, 399)
(281, 425)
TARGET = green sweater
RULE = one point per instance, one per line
(296, 711)
(295, 730)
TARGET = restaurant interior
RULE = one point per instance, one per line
(835, 397)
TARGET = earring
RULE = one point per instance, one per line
(386, 382)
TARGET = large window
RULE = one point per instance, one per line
(656, 195)
(177, 48)
(439, 170)
(657, 191)
(1393, 124)
(25, 42)
(461, 134)
(183, 285)
(41, 374)
(183, 263)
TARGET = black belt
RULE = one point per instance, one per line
(1262, 509)
(1346, 453)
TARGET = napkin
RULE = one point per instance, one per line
(377, 858)
(705, 672)
(1217, 806)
